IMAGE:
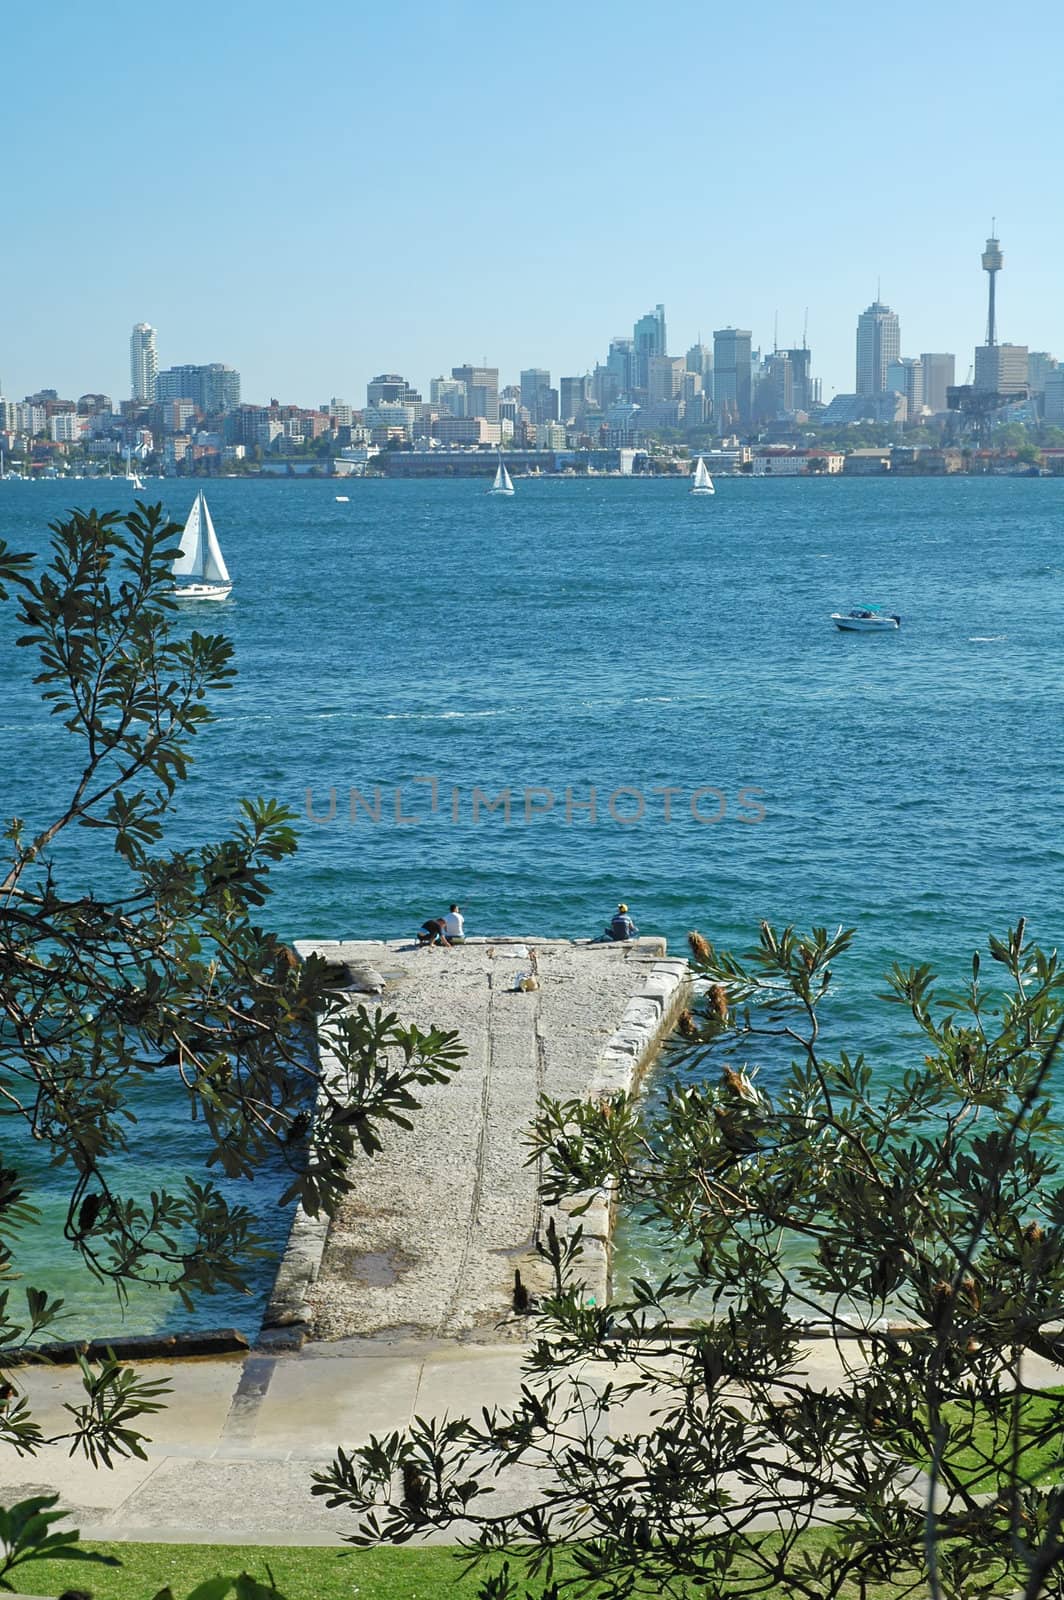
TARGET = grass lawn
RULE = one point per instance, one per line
(323, 1573)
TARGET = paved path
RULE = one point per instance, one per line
(232, 1457)
(427, 1243)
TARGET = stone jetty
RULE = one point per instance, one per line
(427, 1243)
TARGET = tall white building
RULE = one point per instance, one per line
(878, 344)
(143, 362)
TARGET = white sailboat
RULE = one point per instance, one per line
(503, 482)
(201, 558)
(701, 482)
(133, 478)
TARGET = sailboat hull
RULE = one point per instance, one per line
(703, 491)
(203, 591)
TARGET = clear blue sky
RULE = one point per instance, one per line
(319, 194)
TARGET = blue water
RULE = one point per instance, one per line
(624, 636)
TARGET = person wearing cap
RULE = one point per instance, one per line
(622, 926)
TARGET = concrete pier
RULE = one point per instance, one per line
(427, 1243)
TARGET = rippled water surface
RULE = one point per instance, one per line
(624, 636)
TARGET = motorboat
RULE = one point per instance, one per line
(866, 619)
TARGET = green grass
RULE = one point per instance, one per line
(321, 1573)
(301, 1573)
(982, 1459)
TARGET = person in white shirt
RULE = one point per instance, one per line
(454, 925)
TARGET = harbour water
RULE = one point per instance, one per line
(441, 646)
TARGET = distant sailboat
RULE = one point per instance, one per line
(503, 483)
(132, 477)
(701, 482)
(201, 558)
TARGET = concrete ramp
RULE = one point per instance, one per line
(427, 1243)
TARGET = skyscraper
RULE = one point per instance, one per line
(482, 390)
(575, 395)
(732, 375)
(648, 338)
(143, 362)
(906, 377)
(939, 375)
(878, 344)
(537, 396)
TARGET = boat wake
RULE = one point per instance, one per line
(987, 638)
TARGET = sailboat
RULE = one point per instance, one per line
(133, 478)
(201, 558)
(503, 483)
(701, 482)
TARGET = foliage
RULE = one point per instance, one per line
(862, 1281)
(27, 1533)
(167, 977)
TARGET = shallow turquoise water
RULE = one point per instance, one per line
(623, 635)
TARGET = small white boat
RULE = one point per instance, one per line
(701, 482)
(201, 558)
(866, 619)
(503, 482)
(133, 478)
(342, 499)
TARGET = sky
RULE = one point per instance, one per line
(316, 195)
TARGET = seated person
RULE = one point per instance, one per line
(454, 925)
(622, 926)
(433, 931)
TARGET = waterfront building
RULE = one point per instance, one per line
(878, 344)
(390, 386)
(648, 339)
(467, 430)
(906, 377)
(482, 390)
(143, 362)
(211, 388)
(1001, 368)
(732, 375)
(939, 372)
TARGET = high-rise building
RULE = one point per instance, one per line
(804, 392)
(482, 390)
(1039, 365)
(1001, 368)
(447, 394)
(211, 388)
(621, 363)
(775, 391)
(664, 378)
(575, 395)
(390, 386)
(700, 359)
(537, 396)
(939, 375)
(732, 375)
(143, 362)
(906, 377)
(878, 344)
(648, 339)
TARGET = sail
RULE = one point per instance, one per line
(507, 482)
(702, 479)
(189, 563)
(500, 474)
(214, 567)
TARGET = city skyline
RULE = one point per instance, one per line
(325, 254)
